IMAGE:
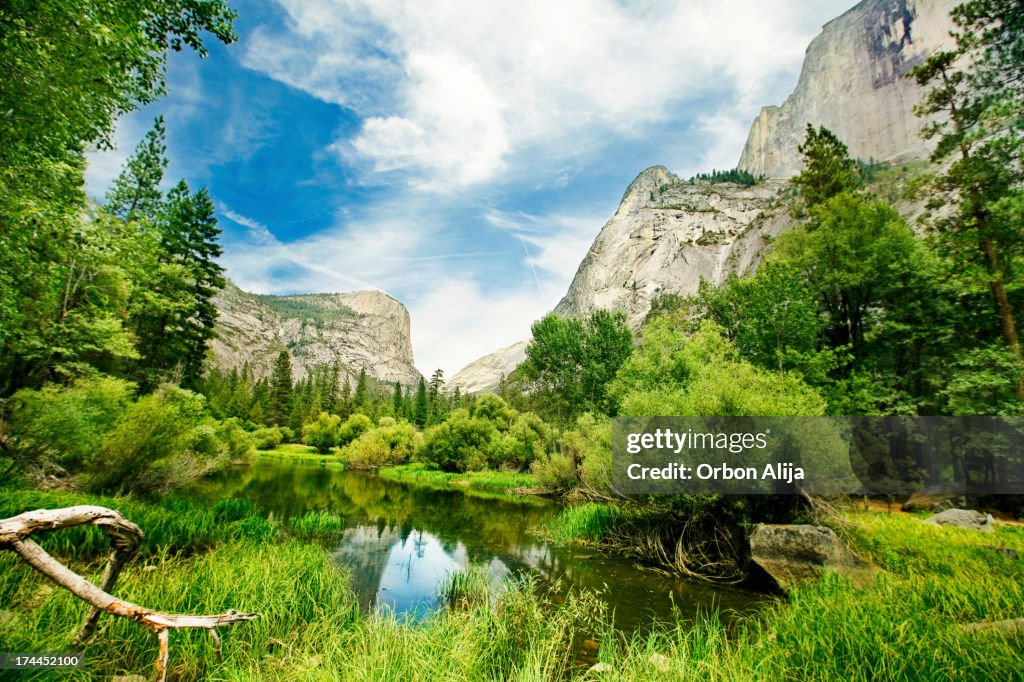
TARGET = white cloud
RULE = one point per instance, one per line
(456, 321)
(450, 89)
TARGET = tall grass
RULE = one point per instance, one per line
(585, 523)
(905, 626)
(171, 525)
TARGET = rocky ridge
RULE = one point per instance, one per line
(360, 330)
(482, 375)
(853, 83)
(668, 234)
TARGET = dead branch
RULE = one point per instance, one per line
(125, 536)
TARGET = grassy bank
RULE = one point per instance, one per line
(504, 483)
(903, 627)
(302, 453)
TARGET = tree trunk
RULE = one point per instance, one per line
(1007, 323)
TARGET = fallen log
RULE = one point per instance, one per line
(125, 536)
(1013, 626)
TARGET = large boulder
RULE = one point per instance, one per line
(964, 518)
(792, 553)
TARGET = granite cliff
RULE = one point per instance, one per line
(360, 330)
(853, 83)
(668, 234)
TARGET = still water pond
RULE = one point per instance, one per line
(400, 542)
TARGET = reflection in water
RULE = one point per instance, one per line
(401, 542)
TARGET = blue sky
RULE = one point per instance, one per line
(459, 155)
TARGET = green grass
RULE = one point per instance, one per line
(497, 484)
(902, 627)
(302, 453)
(585, 523)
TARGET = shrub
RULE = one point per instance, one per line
(322, 434)
(389, 444)
(492, 435)
(237, 442)
(556, 471)
(160, 442)
(459, 444)
(268, 438)
(355, 426)
(66, 425)
(287, 434)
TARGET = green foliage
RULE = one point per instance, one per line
(570, 361)
(390, 443)
(491, 434)
(70, 280)
(66, 426)
(135, 192)
(160, 442)
(421, 405)
(772, 318)
(319, 308)
(828, 168)
(736, 176)
(280, 387)
(323, 433)
(974, 109)
(267, 438)
(238, 443)
(353, 427)
(671, 373)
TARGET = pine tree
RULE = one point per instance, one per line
(361, 397)
(136, 191)
(828, 168)
(421, 408)
(978, 90)
(396, 399)
(280, 388)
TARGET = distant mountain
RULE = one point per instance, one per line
(482, 375)
(360, 330)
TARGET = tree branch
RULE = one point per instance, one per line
(125, 536)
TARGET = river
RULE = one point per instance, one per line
(400, 542)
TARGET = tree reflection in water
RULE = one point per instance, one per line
(401, 542)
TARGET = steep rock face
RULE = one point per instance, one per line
(482, 375)
(667, 234)
(361, 330)
(853, 83)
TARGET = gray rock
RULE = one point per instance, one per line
(853, 83)
(482, 375)
(793, 553)
(667, 235)
(376, 338)
(964, 518)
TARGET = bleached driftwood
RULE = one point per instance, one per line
(125, 536)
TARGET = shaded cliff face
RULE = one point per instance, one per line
(853, 83)
(667, 235)
(361, 330)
